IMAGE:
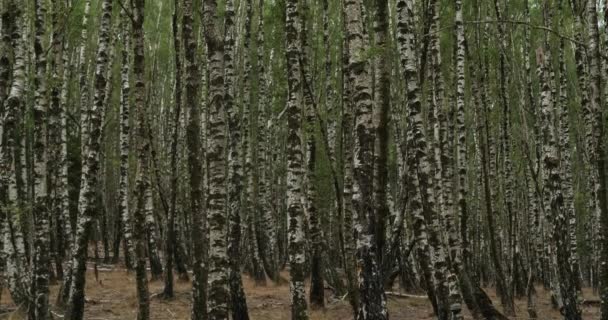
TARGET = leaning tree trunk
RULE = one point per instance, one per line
(405, 41)
(90, 170)
(422, 200)
(371, 290)
(295, 219)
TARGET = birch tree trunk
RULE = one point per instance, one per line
(347, 191)
(371, 289)
(555, 208)
(171, 248)
(39, 148)
(238, 301)
(595, 67)
(570, 213)
(83, 73)
(142, 180)
(264, 194)
(13, 242)
(216, 198)
(66, 286)
(125, 103)
(317, 281)
(54, 138)
(90, 167)
(405, 41)
(295, 218)
(193, 140)
(502, 287)
(250, 199)
(382, 102)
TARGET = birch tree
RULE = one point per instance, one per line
(295, 218)
(142, 182)
(13, 242)
(86, 203)
(40, 209)
(235, 173)
(216, 198)
(193, 134)
(371, 291)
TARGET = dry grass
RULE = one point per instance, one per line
(114, 297)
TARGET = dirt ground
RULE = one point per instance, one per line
(113, 297)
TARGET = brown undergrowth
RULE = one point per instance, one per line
(113, 297)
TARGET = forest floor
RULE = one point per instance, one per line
(112, 296)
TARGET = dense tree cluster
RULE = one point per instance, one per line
(432, 145)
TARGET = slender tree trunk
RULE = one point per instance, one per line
(193, 139)
(250, 200)
(458, 244)
(553, 185)
(13, 242)
(487, 310)
(65, 291)
(371, 290)
(156, 268)
(264, 195)
(40, 208)
(54, 142)
(405, 40)
(295, 218)
(90, 170)
(502, 286)
(382, 102)
(531, 181)
(216, 200)
(347, 191)
(142, 180)
(170, 236)
(235, 173)
(125, 96)
(595, 67)
(83, 71)
(317, 281)
(570, 223)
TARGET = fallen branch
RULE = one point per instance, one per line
(591, 302)
(171, 313)
(404, 295)
(57, 314)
